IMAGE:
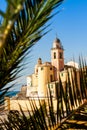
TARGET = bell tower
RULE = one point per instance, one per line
(57, 57)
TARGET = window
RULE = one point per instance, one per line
(51, 85)
(61, 74)
(51, 68)
(61, 55)
(41, 68)
(54, 55)
(52, 92)
(48, 86)
(51, 78)
(36, 70)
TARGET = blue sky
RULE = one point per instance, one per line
(70, 25)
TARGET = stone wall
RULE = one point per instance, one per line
(15, 104)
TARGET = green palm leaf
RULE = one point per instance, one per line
(24, 23)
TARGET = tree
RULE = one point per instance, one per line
(22, 25)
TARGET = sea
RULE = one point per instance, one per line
(11, 93)
(8, 94)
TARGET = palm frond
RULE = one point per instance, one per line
(19, 32)
(71, 100)
(24, 23)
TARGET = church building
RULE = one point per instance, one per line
(46, 77)
(47, 73)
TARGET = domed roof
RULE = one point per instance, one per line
(57, 43)
(73, 64)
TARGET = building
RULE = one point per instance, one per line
(46, 77)
(47, 74)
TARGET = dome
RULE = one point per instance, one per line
(73, 64)
(57, 43)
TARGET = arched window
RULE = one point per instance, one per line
(54, 55)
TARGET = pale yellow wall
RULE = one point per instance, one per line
(34, 80)
(44, 73)
(7, 103)
(63, 75)
(31, 92)
(52, 87)
(29, 81)
(25, 104)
